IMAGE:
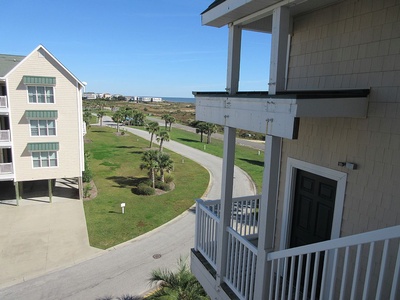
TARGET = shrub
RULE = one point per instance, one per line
(162, 186)
(168, 178)
(86, 190)
(87, 175)
(144, 189)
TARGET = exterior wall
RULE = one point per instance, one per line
(69, 133)
(351, 45)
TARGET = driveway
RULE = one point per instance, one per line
(38, 237)
(125, 268)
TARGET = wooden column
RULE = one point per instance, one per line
(49, 184)
(17, 195)
(279, 44)
(228, 165)
(267, 217)
(228, 162)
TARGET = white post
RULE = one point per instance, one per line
(234, 47)
(279, 44)
(267, 215)
(226, 200)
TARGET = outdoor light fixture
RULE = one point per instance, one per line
(348, 165)
(123, 207)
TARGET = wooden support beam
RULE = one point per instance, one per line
(49, 182)
(17, 195)
(234, 47)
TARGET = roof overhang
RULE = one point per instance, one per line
(279, 114)
(244, 12)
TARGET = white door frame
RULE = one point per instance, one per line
(291, 169)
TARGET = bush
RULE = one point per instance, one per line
(162, 186)
(168, 178)
(144, 189)
(87, 175)
(86, 190)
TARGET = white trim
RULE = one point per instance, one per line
(339, 177)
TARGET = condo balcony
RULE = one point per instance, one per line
(362, 266)
(3, 105)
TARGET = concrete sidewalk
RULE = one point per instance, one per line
(37, 236)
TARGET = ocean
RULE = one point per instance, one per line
(179, 99)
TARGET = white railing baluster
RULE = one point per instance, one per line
(284, 283)
(307, 276)
(271, 287)
(356, 272)
(378, 294)
(332, 284)
(315, 275)
(368, 273)
(324, 268)
(277, 280)
(292, 263)
(344, 273)
(299, 269)
(395, 280)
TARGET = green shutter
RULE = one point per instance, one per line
(39, 80)
(41, 114)
(43, 146)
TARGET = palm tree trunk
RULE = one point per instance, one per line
(161, 142)
(151, 139)
(153, 178)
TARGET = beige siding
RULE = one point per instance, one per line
(68, 131)
(353, 44)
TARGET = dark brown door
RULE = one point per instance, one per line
(314, 204)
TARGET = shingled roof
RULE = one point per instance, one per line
(8, 62)
(214, 4)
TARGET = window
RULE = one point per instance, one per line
(43, 127)
(41, 94)
(44, 159)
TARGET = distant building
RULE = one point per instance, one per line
(41, 126)
(89, 96)
(156, 99)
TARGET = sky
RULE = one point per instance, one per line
(134, 47)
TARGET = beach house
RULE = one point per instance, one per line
(41, 126)
(326, 224)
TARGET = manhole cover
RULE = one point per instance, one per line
(156, 256)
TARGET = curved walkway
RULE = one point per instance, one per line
(125, 268)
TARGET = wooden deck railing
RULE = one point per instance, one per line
(362, 266)
(5, 136)
(6, 168)
(3, 102)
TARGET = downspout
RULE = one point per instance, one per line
(289, 43)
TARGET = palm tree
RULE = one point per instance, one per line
(150, 162)
(210, 129)
(201, 128)
(161, 137)
(118, 117)
(152, 128)
(87, 115)
(138, 118)
(179, 285)
(100, 115)
(165, 164)
(166, 119)
(171, 120)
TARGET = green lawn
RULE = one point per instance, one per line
(246, 158)
(115, 164)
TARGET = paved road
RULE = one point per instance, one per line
(259, 145)
(125, 268)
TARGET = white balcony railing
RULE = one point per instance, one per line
(6, 168)
(5, 136)
(362, 266)
(3, 102)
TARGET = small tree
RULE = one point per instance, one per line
(118, 117)
(181, 284)
(152, 128)
(87, 116)
(165, 164)
(161, 137)
(171, 120)
(210, 129)
(150, 162)
(100, 115)
(166, 119)
(201, 128)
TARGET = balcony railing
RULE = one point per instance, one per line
(6, 168)
(5, 136)
(3, 102)
(363, 266)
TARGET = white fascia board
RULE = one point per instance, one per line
(232, 10)
(52, 56)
